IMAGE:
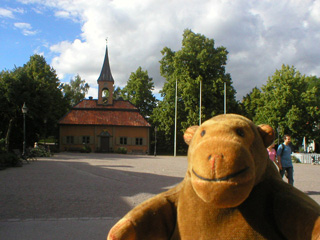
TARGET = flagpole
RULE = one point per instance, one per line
(200, 102)
(175, 120)
(225, 97)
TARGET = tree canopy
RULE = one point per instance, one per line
(198, 61)
(250, 102)
(37, 85)
(139, 92)
(75, 91)
(289, 102)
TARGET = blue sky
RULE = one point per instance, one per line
(260, 36)
(26, 30)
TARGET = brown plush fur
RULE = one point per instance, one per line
(231, 191)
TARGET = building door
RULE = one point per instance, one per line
(104, 143)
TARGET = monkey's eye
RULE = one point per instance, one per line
(203, 133)
(240, 132)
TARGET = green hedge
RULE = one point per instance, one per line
(40, 151)
(86, 149)
(121, 150)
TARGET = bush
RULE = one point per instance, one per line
(295, 159)
(40, 151)
(9, 160)
(86, 149)
(121, 150)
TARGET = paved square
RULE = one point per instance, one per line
(80, 196)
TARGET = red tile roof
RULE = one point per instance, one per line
(121, 113)
(117, 104)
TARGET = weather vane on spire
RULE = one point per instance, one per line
(107, 40)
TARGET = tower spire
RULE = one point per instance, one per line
(105, 74)
(105, 82)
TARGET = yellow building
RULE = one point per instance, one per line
(104, 124)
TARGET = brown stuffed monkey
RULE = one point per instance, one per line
(231, 191)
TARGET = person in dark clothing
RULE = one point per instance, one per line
(284, 159)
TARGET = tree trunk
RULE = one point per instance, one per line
(7, 140)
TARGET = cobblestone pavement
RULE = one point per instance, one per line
(80, 196)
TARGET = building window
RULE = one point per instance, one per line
(85, 139)
(123, 140)
(70, 140)
(138, 141)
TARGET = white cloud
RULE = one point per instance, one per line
(5, 13)
(260, 36)
(23, 25)
(62, 14)
(25, 28)
(9, 12)
(315, 11)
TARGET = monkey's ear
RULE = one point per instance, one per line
(188, 134)
(267, 134)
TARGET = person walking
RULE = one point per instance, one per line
(273, 154)
(284, 159)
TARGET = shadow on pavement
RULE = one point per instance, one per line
(70, 189)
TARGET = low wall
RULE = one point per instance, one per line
(305, 157)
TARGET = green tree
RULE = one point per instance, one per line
(250, 102)
(37, 85)
(290, 104)
(116, 92)
(76, 90)
(139, 92)
(197, 62)
(8, 109)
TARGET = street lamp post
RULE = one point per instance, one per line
(24, 111)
